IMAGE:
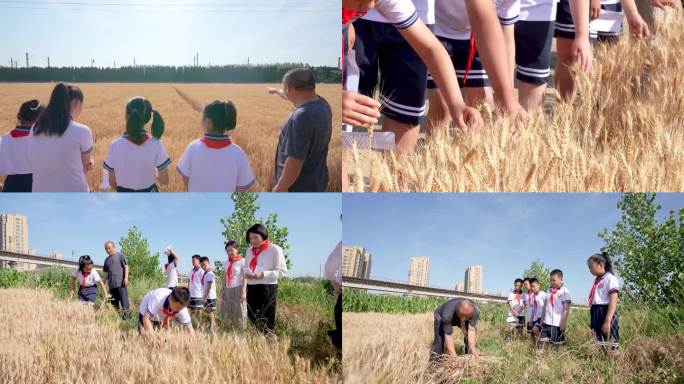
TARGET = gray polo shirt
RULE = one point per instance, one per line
(447, 314)
(305, 136)
(114, 266)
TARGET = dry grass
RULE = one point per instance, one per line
(394, 348)
(260, 117)
(622, 133)
(45, 340)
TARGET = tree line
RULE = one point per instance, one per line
(265, 73)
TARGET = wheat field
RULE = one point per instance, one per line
(623, 132)
(46, 340)
(260, 117)
(394, 348)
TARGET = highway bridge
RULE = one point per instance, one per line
(406, 289)
(13, 258)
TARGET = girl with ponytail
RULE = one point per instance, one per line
(87, 280)
(603, 299)
(214, 163)
(137, 160)
(59, 148)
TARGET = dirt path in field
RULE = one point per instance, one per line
(194, 104)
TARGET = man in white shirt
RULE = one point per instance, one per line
(161, 305)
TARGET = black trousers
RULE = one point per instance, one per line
(336, 334)
(437, 349)
(261, 306)
(119, 299)
(18, 183)
(152, 188)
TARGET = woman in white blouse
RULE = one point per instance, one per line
(265, 263)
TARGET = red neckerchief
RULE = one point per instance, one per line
(256, 251)
(229, 273)
(85, 276)
(20, 131)
(471, 57)
(192, 275)
(166, 310)
(553, 294)
(205, 273)
(533, 304)
(349, 15)
(145, 138)
(597, 281)
(517, 295)
(216, 141)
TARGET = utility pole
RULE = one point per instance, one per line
(248, 61)
(27, 60)
(134, 62)
(48, 61)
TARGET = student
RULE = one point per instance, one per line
(196, 304)
(209, 291)
(14, 161)
(265, 265)
(214, 163)
(87, 280)
(59, 148)
(171, 269)
(301, 162)
(536, 300)
(603, 300)
(455, 313)
(516, 308)
(572, 39)
(116, 275)
(136, 160)
(234, 288)
(161, 305)
(555, 312)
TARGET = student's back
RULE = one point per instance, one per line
(56, 161)
(136, 165)
(306, 136)
(14, 158)
(215, 169)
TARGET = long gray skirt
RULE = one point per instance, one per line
(232, 310)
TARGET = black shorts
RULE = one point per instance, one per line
(598, 316)
(552, 334)
(565, 27)
(210, 305)
(18, 183)
(196, 303)
(531, 325)
(386, 61)
(459, 51)
(521, 322)
(533, 51)
(88, 294)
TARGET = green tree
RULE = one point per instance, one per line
(141, 263)
(540, 271)
(648, 254)
(244, 216)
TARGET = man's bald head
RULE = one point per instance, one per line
(465, 309)
(300, 79)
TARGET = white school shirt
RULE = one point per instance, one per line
(535, 305)
(333, 263)
(555, 312)
(271, 262)
(171, 270)
(400, 13)
(195, 284)
(56, 160)
(209, 280)
(215, 170)
(136, 166)
(14, 159)
(452, 22)
(609, 283)
(538, 10)
(517, 304)
(238, 275)
(90, 281)
(153, 303)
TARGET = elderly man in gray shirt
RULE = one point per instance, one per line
(459, 312)
(116, 276)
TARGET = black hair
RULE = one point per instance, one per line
(526, 279)
(30, 111)
(557, 272)
(300, 79)
(230, 243)
(203, 259)
(258, 229)
(222, 114)
(534, 280)
(171, 257)
(181, 295)
(198, 257)
(57, 115)
(518, 280)
(83, 261)
(602, 258)
(139, 111)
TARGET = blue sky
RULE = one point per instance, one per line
(72, 32)
(190, 222)
(502, 232)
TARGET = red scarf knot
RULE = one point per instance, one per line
(256, 251)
